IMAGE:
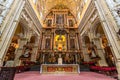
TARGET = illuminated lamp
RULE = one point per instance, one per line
(16, 46)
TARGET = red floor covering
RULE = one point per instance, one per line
(82, 76)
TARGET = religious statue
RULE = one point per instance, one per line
(52, 58)
(67, 58)
(27, 53)
(108, 53)
(92, 50)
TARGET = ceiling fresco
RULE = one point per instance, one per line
(46, 5)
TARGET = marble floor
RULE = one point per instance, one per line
(35, 75)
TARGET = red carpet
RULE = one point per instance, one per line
(82, 76)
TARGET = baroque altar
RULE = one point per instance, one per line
(57, 68)
(59, 50)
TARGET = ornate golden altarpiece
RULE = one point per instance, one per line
(60, 40)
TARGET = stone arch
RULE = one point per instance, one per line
(101, 41)
(14, 44)
(85, 41)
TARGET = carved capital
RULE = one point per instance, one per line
(25, 17)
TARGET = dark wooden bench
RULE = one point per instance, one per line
(7, 73)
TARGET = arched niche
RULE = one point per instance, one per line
(102, 42)
(86, 40)
(91, 49)
(98, 30)
(14, 44)
(32, 39)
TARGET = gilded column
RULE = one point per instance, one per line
(41, 40)
(68, 37)
(77, 44)
(52, 40)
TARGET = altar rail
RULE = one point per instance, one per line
(56, 68)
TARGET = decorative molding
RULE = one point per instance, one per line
(29, 18)
(33, 16)
(24, 38)
(94, 16)
(86, 17)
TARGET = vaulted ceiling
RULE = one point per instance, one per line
(73, 5)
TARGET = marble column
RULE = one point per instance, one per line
(100, 52)
(34, 53)
(19, 51)
(9, 26)
(85, 52)
(114, 5)
(110, 27)
(118, 68)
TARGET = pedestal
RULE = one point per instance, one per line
(59, 60)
